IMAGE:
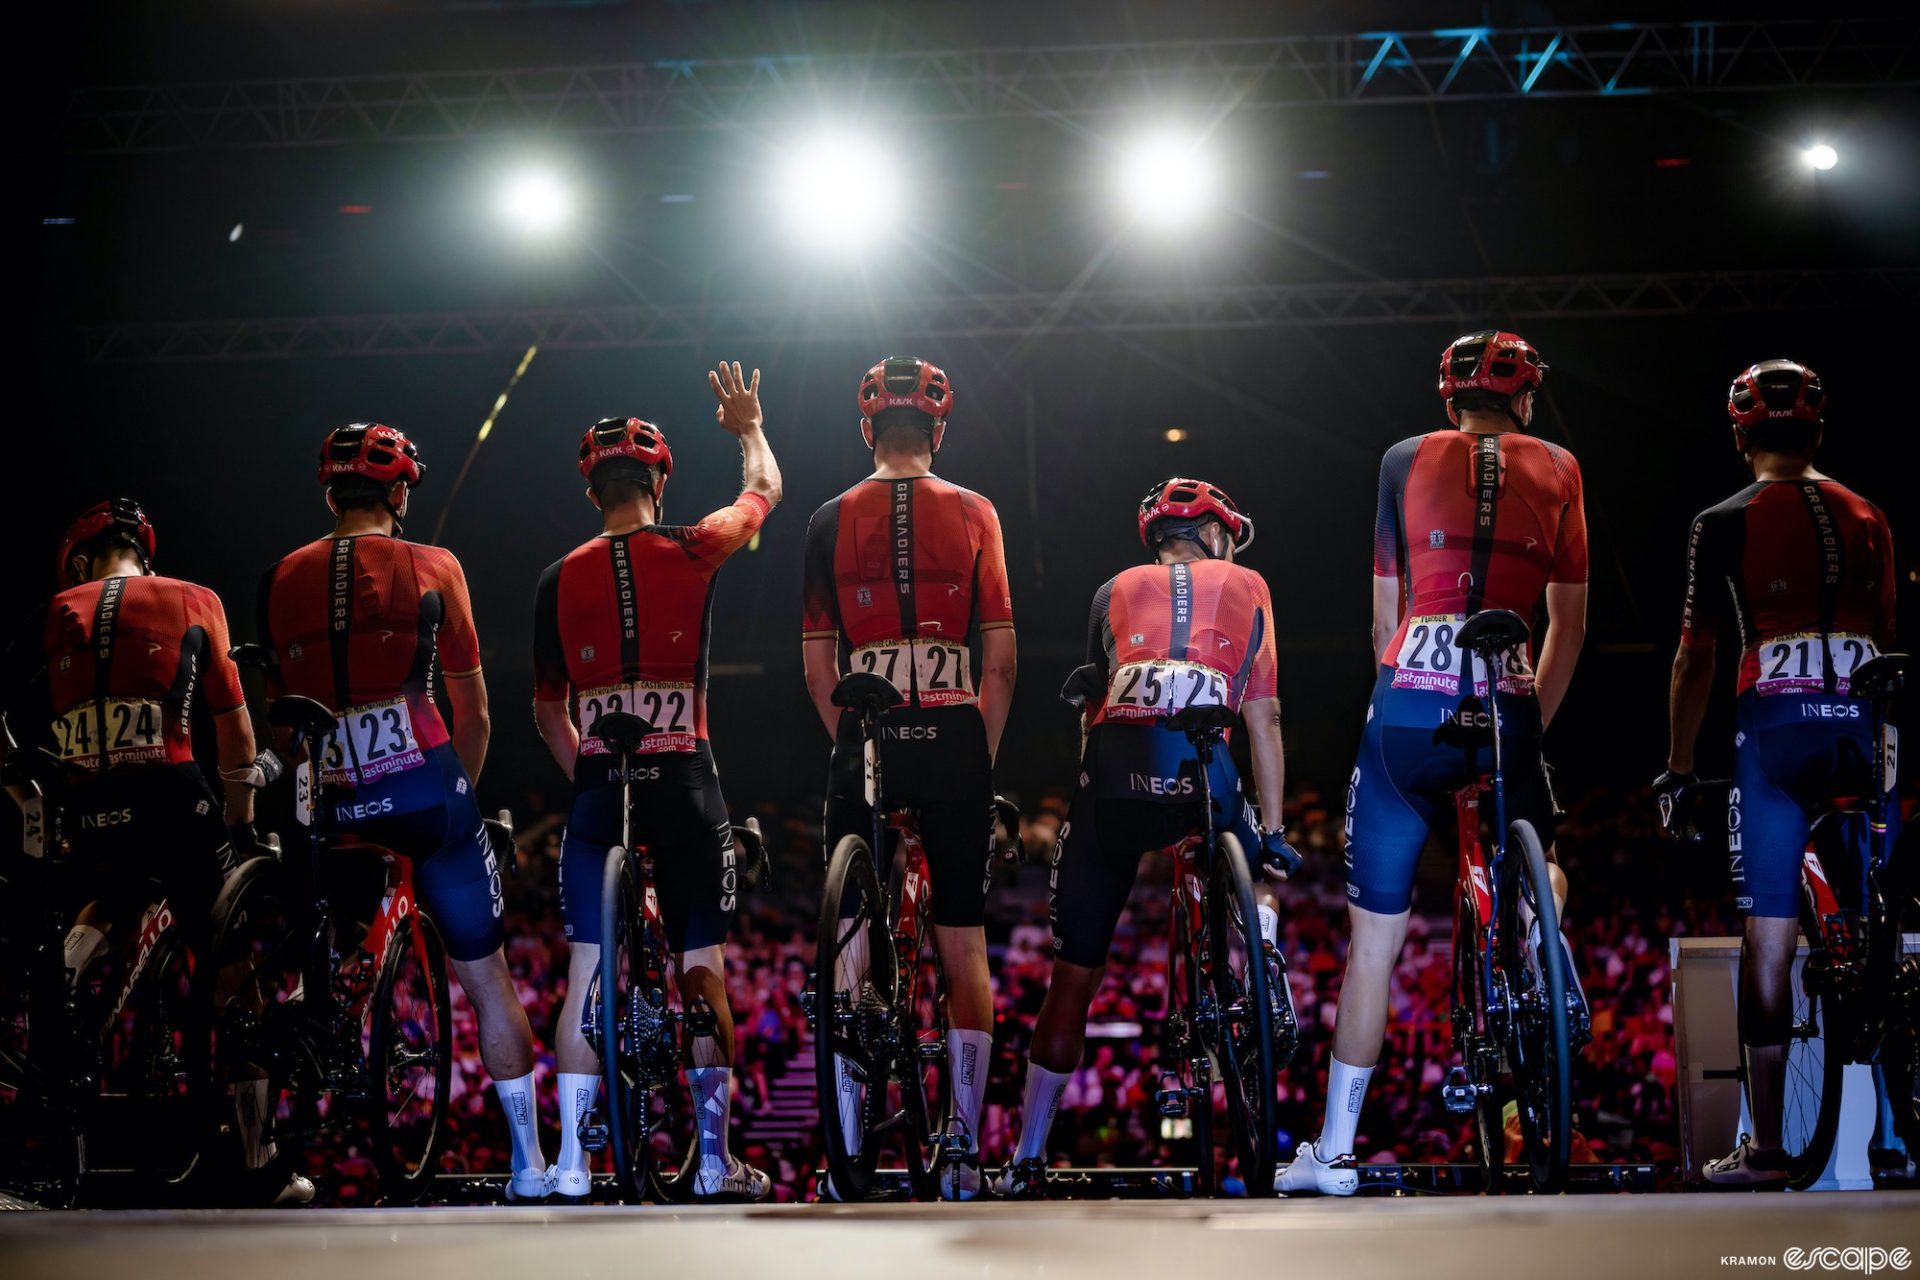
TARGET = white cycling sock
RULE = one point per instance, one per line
(83, 943)
(967, 1054)
(517, 1100)
(712, 1103)
(1042, 1101)
(1346, 1091)
(577, 1092)
(1269, 923)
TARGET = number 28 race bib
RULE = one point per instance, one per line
(1148, 690)
(1429, 659)
(135, 733)
(665, 705)
(1797, 663)
(370, 742)
(940, 670)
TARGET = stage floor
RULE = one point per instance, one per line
(1618, 1237)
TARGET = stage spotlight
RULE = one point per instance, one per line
(536, 202)
(1176, 434)
(834, 192)
(1820, 156)
(1167, 180)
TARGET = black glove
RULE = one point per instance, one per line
(1276, 855)
(1666, 793)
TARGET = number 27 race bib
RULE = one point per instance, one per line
(940, 671)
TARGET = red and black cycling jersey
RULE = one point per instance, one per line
(905, 573)
(125, 658)
(621, 624)
(1469, 522)
(1169, 636)
(358, 623)
(1804, 571)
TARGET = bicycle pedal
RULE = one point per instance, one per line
(1459, 1093)
(594, 1134)
(1170, 1099)
(806, 1000)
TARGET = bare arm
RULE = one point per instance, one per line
(997, 658)
(1269, 756)
(1687, 703)
(1566, 632)
(557, 730)
(821, 658)
(471, 724)
(739, 414)
(233, 731)
(1386, 614)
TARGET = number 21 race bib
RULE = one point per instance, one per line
(1797, 663)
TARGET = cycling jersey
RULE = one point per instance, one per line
(358, 623)
(903, 572)
(1804, 570)
(621, 624)
(125, 658)
(1469, 522)
(1170, 636)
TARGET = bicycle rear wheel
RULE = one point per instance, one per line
(926, 1090)
(1539, 1046)
(165, 1067)
(853, 1019)
(1815, 1062)
(1900, 1058)
(1244, 1042)
(1474, 1040)
(635, 1026)
(410, 1061)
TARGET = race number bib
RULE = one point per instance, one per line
(1428, 658)
(371, 742)
(939, 670)
(1797, 663)
(665, 705)
(135, 733)
(1148, 690)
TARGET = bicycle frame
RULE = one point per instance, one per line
(355, 980)
(916, 898)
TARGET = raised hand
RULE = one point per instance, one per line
(739, 409)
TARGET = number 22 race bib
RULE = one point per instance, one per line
(667, 706)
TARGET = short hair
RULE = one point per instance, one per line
(1480, 400)
(895, 425)
(621, 480)
(356, 493)
(1783, 435)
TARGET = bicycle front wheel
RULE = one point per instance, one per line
(410, 1059)
(853, 1018)
(635, 1027)
(165, 1069)
(1901, 1056)
(1243, 1045)
(1474, 1040)
(1538, 1046)
(1815, 1062)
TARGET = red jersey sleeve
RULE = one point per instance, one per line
(819, 609)
(1570, 556)
(727, 530)
(221, 679)
(992, 597)
(1263, 678)
(457, 642)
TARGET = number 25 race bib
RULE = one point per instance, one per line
(371, 742)
(1797, 663)
(939, 670)
(665, 705)
(1149, 690)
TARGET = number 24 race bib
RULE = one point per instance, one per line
(135, 733)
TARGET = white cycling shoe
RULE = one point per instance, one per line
(570, 1186)
(1748, 1166)
(738, 1183)
(298, 1191)
(530, 1186)
(961, 1179)
(1309, 1175)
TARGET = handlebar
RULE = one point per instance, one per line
(1680, 809)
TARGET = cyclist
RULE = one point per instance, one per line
(1190, 627)
(1800, 570)
(1484, 516)
(358, 620)
(622, 623)
(904, 571)
(125, 653)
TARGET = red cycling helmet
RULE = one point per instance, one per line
(1776, 389)
(370, 449)
(906, 382)
(1491, 360)
(121, 515)
(1189, 501)
(630, 438)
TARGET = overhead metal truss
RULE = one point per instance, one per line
(1252, 307)
(1463, 63)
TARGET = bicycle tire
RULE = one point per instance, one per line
(1244, 1047)
(1539, 1046)
(665, 1103)
(1900, 1055)
(619, 995)
(925, 1086)
(1473, 1040)
(1815, 1057)
(407, 1165)
(850, 871)
(1189, 1058)
(170, 1083)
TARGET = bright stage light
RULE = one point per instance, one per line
(1167, 180)
(829, 192)
(536, 202)
(1820, 156)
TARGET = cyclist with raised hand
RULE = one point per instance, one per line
(1482, 516)
(1799, 569)
(1191, 627)
(358, 620)
(622, 623)
(903, 572)
(125, 653)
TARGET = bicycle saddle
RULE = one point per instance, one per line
(1878, 677)
(1198, 722)
(1492, 631)
(755, 871)
(257, 656)
(623, 731)
(33, 765)
(309, 720)
(866, 694)
(1083, 686)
